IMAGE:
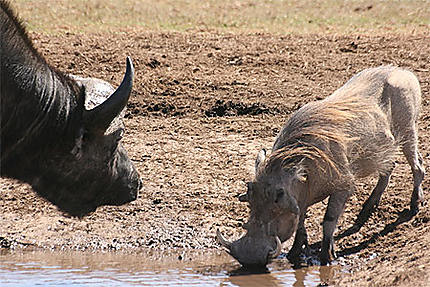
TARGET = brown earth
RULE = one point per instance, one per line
(204, 103)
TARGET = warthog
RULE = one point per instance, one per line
(320, 151)
(70, 155)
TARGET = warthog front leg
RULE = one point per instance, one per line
(300, 240)
(335, 207)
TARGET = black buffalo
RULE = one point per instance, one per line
(70, 155)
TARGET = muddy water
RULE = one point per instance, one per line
(174, 268)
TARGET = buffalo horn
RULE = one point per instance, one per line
(275, 253)
(99, 118)
(224, 242)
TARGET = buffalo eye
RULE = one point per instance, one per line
(113, 139)
(279, 195)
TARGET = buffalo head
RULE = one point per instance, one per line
(69, 153)
(95, 170)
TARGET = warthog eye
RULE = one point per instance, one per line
(279, 195)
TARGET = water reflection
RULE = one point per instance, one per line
(149, 268)
(300, 275)
(325, 273)
(257, 276)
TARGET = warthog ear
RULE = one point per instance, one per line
(260, 158)
(244, 197)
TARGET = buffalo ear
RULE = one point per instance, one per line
(115, 138)
(260, 158)
(118, 134)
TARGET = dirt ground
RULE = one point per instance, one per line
(204, 103)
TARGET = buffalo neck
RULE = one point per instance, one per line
(40, 106)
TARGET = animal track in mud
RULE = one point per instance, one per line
(163, 108)
(229, 108)
(220, 108)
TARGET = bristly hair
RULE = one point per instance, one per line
(318, 128)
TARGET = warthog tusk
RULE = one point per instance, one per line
(224, 242)
(275, 253)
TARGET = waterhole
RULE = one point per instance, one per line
(148, 268)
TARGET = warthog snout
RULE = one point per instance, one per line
(250, 251)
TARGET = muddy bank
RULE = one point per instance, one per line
(203, 105)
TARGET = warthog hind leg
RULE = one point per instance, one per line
(415, 160)
(373, 201)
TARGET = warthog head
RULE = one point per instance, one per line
(274, 214)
